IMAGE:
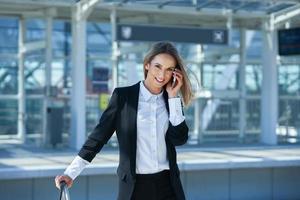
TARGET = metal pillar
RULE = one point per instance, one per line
(197, 115)
(197, 131)
(48, 72)
(269, 95)
(115, 50)
(80, 13)
(200, 109)
(78, 92)
(242, 86)
(21, 81)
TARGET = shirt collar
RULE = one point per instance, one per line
(147, 94)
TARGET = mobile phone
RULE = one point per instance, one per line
(173, 80)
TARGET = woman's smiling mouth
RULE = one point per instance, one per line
(159, 80)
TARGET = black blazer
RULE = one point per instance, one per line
(121, 116)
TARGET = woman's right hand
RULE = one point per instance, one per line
(60, 178)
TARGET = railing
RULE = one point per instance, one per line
(64, 191)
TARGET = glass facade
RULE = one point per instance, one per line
(214, 116)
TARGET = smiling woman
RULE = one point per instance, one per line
(149, 123)
(160, 71)
(161, 61)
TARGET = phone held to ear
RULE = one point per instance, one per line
(173, 80)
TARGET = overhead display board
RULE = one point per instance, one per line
(129, 32)
(289, 41)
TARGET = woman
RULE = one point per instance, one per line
(149, 123)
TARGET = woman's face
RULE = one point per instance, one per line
(160, 70)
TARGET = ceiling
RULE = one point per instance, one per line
(250, 14)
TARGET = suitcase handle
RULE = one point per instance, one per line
(64, 191)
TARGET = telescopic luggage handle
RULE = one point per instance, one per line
(64, 191)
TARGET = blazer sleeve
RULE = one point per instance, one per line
(178, 135)
(103, 130)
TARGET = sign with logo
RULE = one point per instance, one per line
(128, 32)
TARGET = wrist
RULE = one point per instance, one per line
(173, 96)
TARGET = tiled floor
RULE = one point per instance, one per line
(32, 162)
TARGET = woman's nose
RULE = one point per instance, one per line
(161, 74)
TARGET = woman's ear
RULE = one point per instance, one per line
(147, 66)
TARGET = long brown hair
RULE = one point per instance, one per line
(169, 48)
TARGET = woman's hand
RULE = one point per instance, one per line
(173, 90)
(60, 178)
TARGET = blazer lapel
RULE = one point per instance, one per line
(166, 97)
(133, 99)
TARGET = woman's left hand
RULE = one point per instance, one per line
(173, 91)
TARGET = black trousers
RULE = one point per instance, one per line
(153, 187)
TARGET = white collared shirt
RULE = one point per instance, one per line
(152, 125)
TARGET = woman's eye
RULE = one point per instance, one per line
(157, 66)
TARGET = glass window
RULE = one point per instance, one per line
(34, 73)
(289, 80)
(8, 116)
(35, 30)
(253, 79)
(61, 41)
(253, 115)
(219, 77)
(61, 77)
(34, 116)
(8, 75)
(288, 129)
(254, 45)
(98, 39)
(8, 35)
(220, 114)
